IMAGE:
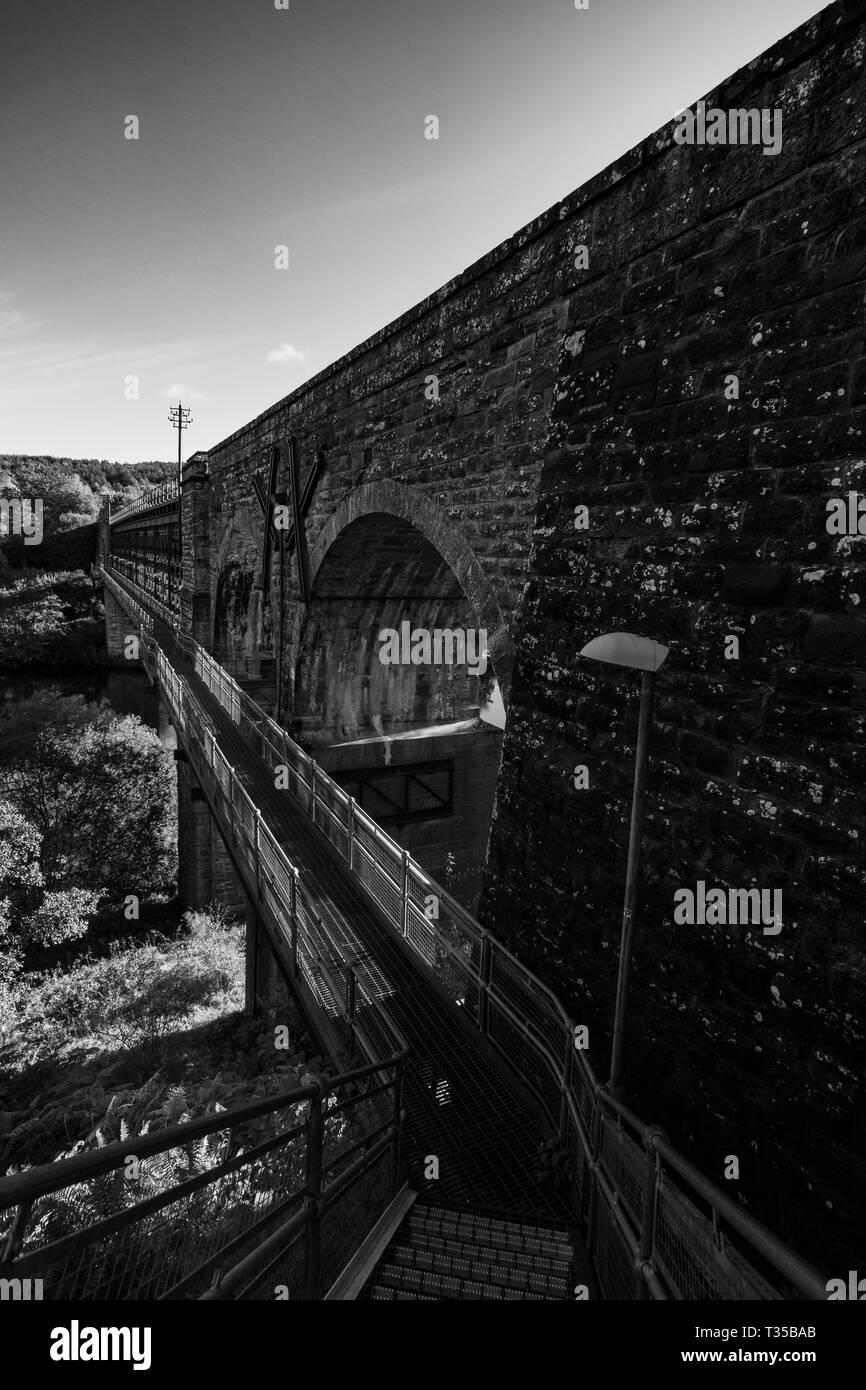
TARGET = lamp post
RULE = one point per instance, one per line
(648, 657)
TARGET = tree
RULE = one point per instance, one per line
(97, 789)
(60, 916)
(29, 916)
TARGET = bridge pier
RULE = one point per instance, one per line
(263, 983)
(206, 875)
(118, 628)
(195, 558)
(205, 871)
(195, 860)
(165, 728)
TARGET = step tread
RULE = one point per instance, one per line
(439, 1253)
(428, 1254)
(521, 1240)
(489, 1271)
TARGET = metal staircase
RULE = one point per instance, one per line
(446, 1254)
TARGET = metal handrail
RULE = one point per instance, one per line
(154, 497)
(21, 1192)
(218, 777)
(529, 1018)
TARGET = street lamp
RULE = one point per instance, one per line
(648, 657)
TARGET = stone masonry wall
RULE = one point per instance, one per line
(707, 519)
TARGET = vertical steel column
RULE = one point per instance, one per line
(404, 906)
(256, 826)
(293, 898)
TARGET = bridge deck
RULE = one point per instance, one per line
(459, 1103)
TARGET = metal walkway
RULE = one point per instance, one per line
(460, 1107)
(496, 1087)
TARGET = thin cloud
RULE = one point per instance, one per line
(187, 393)
(285, 353)
(89, 355)
(11, 320)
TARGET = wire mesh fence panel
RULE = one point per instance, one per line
(528, 997)
(140, 1229)
(332, 800)
(421, 934)
(523, 1056)
(272, 746)
(690, 1257)
(582, 1088)
(613, 1261)
(301, 791)
(456, 972)
(348, 1220)
(330, 824)
(285, 1279)
(579, 1167)
(457, 955)
(365, 869)
(381, 887)
(352, 1122)
(624, 1165)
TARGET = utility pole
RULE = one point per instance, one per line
(180, 417)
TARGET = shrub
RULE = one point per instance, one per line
(96, 787)
(60, 916)
(137, 996)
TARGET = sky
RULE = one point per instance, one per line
(154, 258)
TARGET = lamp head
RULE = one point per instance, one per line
(627, 649)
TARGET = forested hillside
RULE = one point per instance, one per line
(71, 492)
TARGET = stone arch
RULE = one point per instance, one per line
(410, 505)
(418, 744)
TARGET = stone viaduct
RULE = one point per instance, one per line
(677, 348)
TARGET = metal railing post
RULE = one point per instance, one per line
(650, 1202)
(313, 789)
(256, 826)
(350, 831)
(593, 1195)
(484, 986)
(232, 819)
(351, 991)
(396, 1125)
(314, 1194)
(293, 900)
(404, 906)
(566, 1084)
